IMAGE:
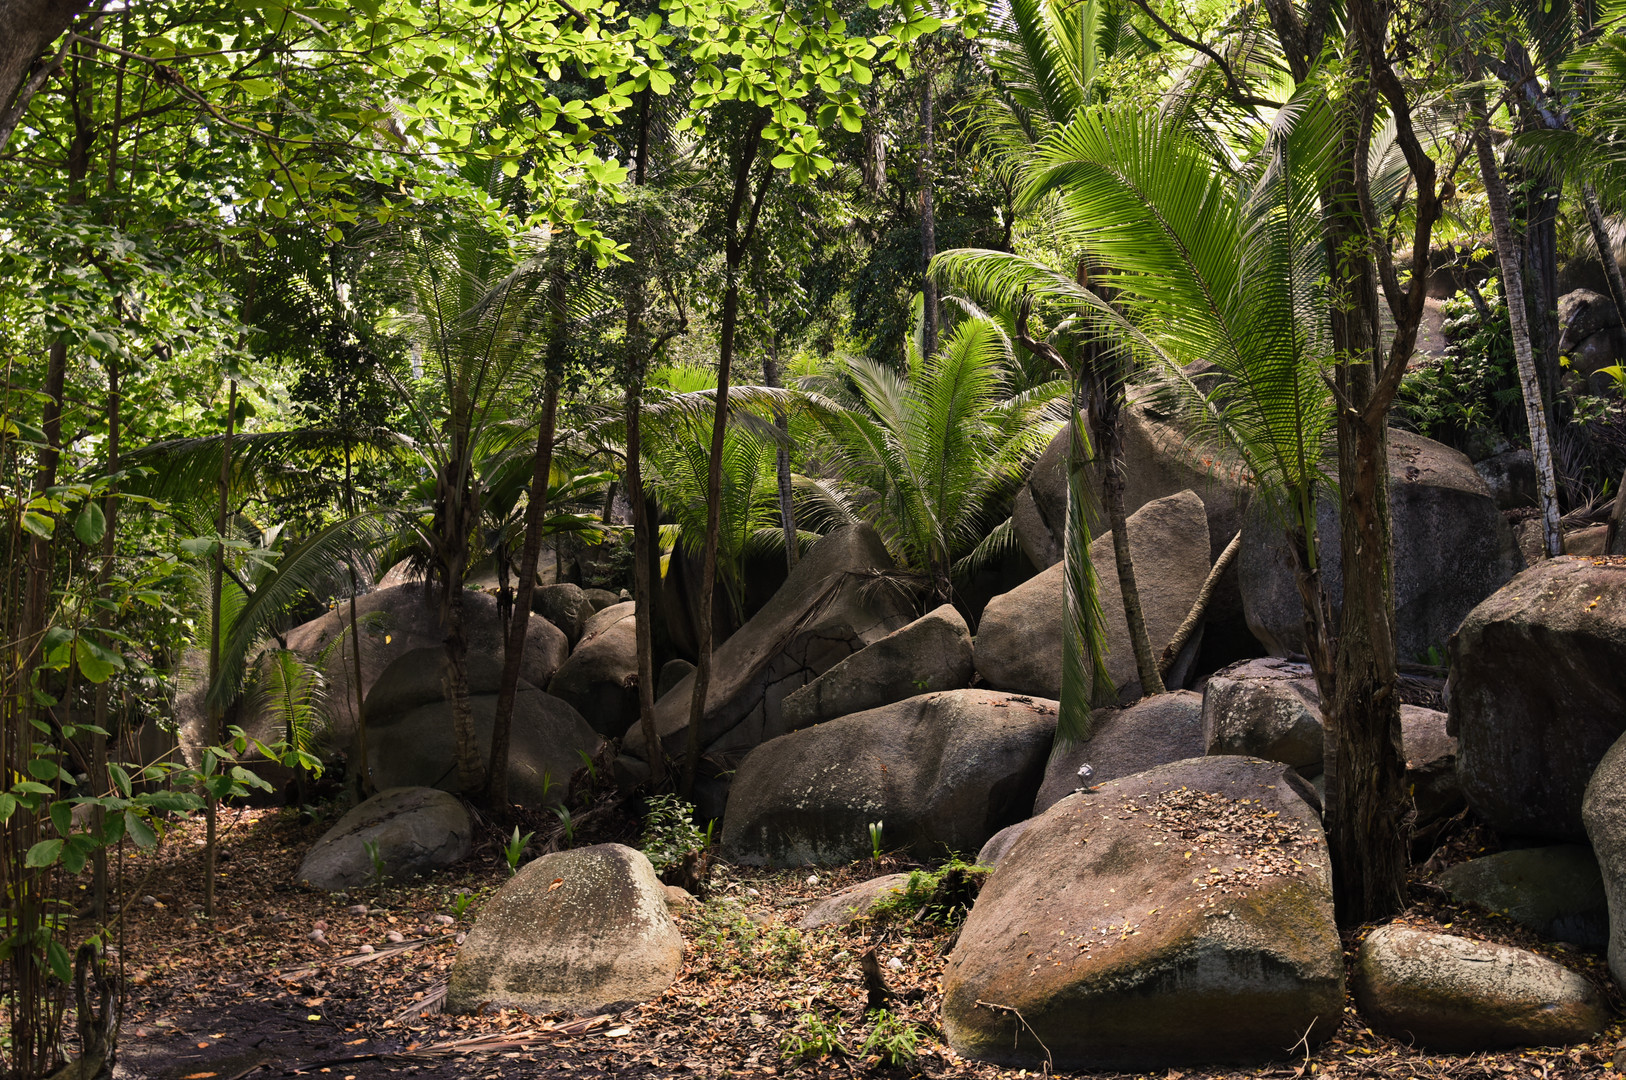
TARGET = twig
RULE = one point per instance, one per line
(1199, 606)
(1049, 1062)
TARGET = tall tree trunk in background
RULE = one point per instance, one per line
(1507, 253)
(787, 510)
(928, 215)
(514, 647)
(1606, 249)
(738, 239)
(211, 804)
(1367, 801)
(98, 745)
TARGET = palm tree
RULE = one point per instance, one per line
(929, 456)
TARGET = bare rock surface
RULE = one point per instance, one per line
(416, 830)
(941, 772)
(1450, 993)
(1153, 731)
(930, 654)
(851, 903)
(600, 678)
(584, 931)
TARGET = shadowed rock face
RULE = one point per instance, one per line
(1538, 694)
(1605, 816)
(1451, 993)
(930, 654)
(1120, 952)
(584, 931)
(1452, 549)
(835, 603)
(941, 771)
(600, 678)
(1556, 891)
(1019, 640)
(417, 830)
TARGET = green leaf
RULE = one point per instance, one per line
(43, 854)
(140, 832)
(75, 852)
(121, 779)
(58, 957)
(41, 525)
(96, 663)
(91, 524)
(62, 817)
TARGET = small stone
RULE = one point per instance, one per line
(317, 935)
(894, 964)
(150, 901)
(444, 920)
(752, 892)
(320, 924)
(357, 909)
(813, 879)
(460, 938)
(395, 937)
(365, 950)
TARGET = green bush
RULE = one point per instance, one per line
(670, 832)
(1468, 398)
(941, 896)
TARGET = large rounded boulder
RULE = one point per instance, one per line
(1605, 815)
(930, 654)
(1153, 731)
(1180, 916)
(1538, 694)
(1449, 993)
(1019, 639)
(411, 740)
(1452, 549)
(585, 931)
(600, 680)
(939, 771)
(411, 830)
(833, 604)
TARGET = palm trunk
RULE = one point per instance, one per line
(644, 551)
(928, 218)
(1112, 500)
(738, 240)
(211, 804)
(514, 651)
(1513, 293)
(1606, 250)
(787, 511)
(458, 511)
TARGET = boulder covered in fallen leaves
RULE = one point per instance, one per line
(584, 931)
(1019, 639)
(1154, 731)
(940, 772)
(412, 831)
(1177, 917)
(1538, 694)
(930, 654)
(1450, 993)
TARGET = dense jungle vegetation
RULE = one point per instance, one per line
(647, 296)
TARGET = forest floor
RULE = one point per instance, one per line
(253, 996)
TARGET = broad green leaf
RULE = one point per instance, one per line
(96, 663)
(58, 957)
(62, 817)
(140, 832)
(91, 524)
(41, 525)
(8, 806)
(43, 854)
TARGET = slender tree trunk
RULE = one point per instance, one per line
(1606, 249)
(98, 746)
(644, 552)
(928, 216)
(1112, 500)
(535, 514)
(787, 510)
(738, 240)
(1523, 351)
(211, 804)
(1199, 607)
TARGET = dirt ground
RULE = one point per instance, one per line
(254, 995)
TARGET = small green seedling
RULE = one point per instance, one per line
(811, 1038)
(461, 905)
(376, 857)
(563, 814)
(894, 1040)
(515, 848)
(875, 840)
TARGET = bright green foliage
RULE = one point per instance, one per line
(893, 1039)
(669, 831)
(1469, 397)
(812, 1038)
(942, 896)
(514, 850)
(927, 457)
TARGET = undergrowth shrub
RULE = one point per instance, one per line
(941, 897)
